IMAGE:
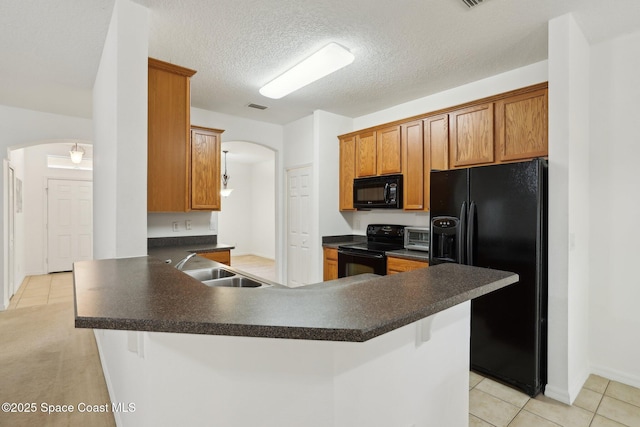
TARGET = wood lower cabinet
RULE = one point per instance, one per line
(522, 126)
(168, 137)
(471, 139)
(205, 169)
(347, 172)
(330, 264)
(223, 257)
(400, 265)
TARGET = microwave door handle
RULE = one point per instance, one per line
(386, 192)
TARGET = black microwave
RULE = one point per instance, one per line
(378, 192)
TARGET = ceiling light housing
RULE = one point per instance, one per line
(327, 60)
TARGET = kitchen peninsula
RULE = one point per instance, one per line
(360, 351)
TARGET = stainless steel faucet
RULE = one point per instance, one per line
(184, 260)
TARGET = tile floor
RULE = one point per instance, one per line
(601, 403)
(43, 289)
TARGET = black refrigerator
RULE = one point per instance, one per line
(496, 217)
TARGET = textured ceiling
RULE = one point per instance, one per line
(404, 49)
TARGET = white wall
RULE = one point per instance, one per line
(615, 209)
(120, 136)
(20, 128)
(235, 217)
(160, 224)
(35, 202)
(263, 218)
(568, 209)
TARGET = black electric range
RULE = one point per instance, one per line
(369, 256)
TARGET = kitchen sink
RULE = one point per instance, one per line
(206, 274)
(235, 282)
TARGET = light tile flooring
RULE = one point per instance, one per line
(43, 289)
(601, 403)
(253, 264)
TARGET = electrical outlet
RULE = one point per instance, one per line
(174, 225)
(187, 224)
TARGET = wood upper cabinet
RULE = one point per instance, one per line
(400, 265)
(330, 265)
(205, 168)
(366, 154)
(389, 151)
(522, 126)
(416, 171)
(347, 172)
(471, 136)
(378, 152)
(436, 137)
(168, 137)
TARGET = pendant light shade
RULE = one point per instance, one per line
(225, 192)
(76, 154)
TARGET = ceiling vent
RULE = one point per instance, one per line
(471, 3)
(257, 107)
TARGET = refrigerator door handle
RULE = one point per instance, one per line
(471, 233)
(462, 228)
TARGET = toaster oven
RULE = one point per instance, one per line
(416, 238)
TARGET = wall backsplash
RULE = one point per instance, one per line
(202, 223)
(361, 219)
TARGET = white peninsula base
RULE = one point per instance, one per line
(417, 375)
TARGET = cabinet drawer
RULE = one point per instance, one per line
(400, 265)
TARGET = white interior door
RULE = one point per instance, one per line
(298, 226)
(70, 223)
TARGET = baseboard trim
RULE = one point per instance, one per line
(556, 393)
(616, 375)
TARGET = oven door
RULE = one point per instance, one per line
(351, 263)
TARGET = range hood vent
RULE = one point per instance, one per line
(471, 3)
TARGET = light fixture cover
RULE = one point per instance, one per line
(76, 154)
(330, 58)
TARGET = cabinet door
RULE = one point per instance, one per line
(413, 159)
(223, 257)
(400, 265)
(389, 151)
(522, 126)
(366, 154)
(471, 136)
(168, 138)
(436, 137)
(205, 169)
(347, 172)
(330, 269)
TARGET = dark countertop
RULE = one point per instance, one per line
(145, 294)
(409, 254)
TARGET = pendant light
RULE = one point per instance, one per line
(225, 192)
(76, 154)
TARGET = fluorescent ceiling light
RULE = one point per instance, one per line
(330, 58)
